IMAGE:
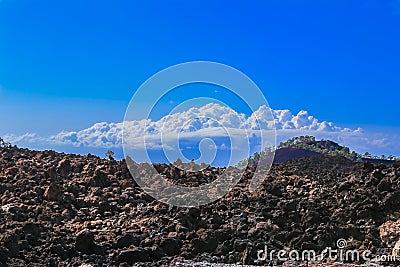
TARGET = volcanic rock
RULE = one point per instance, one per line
(89, 210)
(389, 232)
(64, 167)
(99, 179)
(85, 242)
(52, 192)
(10, 241)
(170, 246)
(133, 255)
(127, 240)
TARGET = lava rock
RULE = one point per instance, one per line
(389, 232)
(4, 255)
(133, 255)
(52, 192)
(64, 167)
(11, 242)
(100, 179)
(170, 246)
(85, 242)
(126, 241)
(31, 229)
(97, 215)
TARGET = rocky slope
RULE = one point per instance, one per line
(70, 210)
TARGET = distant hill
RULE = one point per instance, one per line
(325, 147)
(289, 153)
(306, 146)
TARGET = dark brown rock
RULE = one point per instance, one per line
(207, 244)
(31, 229)
(52, 192)
(170, 246)
(384, 185)
(11, 242)
(85, 242)
(4, 255)
(133, 255)
(100, 179)
(126, 241)
(64, 167)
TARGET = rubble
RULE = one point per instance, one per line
(70, 210)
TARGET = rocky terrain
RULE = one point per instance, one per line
(70, 210)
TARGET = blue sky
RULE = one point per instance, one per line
(66, 65)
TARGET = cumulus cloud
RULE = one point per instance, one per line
(228, 129)
(207, 120)
(101, 134)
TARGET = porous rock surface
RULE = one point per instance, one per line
(70, 210)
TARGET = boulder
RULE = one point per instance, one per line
(52, 192)
(133, 255)
(84, 242)
(99, 179)
(170, 246)
(64, 167)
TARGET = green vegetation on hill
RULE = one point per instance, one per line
(326, 147)
(257, 156)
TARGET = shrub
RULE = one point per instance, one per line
(4, 144)
(110, 155)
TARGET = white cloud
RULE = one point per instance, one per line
(101, 134)
(212, 121)
(27, 138)
(208, 120)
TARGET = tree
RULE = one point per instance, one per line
(4, 144)
(281, 145)
(110, 155)
(345, 150)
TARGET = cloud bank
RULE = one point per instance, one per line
(209, 116)
(206, 120)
